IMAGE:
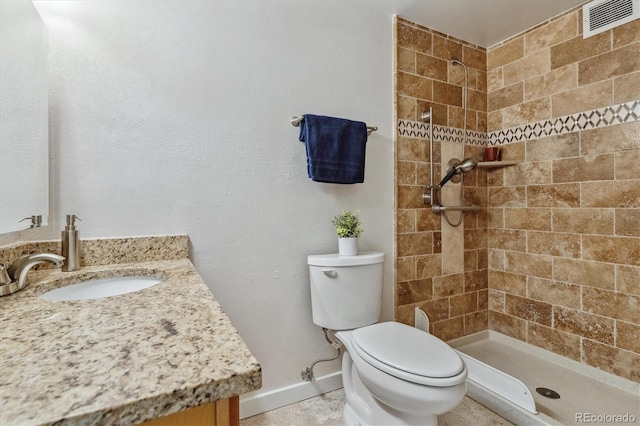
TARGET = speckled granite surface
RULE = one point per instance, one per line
(118, 360)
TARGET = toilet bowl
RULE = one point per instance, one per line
(393, 374)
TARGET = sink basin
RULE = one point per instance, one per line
(99, 288)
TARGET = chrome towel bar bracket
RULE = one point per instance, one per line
(297, 119)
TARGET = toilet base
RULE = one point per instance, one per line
(362, 409)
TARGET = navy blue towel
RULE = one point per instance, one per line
(335, 148)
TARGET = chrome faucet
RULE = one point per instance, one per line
(18, 271)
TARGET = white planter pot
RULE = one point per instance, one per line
(348, 246)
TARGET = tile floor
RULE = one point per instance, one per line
(326, 410)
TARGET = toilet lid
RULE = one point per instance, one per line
(408, 349)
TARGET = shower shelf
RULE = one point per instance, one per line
(495, 164)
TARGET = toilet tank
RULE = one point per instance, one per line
(346, 291)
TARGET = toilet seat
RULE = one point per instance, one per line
(409, 354)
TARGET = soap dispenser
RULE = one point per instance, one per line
(71, 245)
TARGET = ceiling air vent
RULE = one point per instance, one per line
(602, 15)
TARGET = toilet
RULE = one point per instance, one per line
(393, 374)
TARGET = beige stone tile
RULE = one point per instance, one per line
(415, 291)
(628, 279)
(496, 300)
(507, 96)
(584, 98)
(507, 53)
(627, 164)
(553, 147)
(445, 48)
(554, 292)
(508, 282)
(577, 49)
(428, 266)
(483, 299)
(405, 220)
(526, 67)
(405, 314)
(431, 67)
(495, 259)
(616, 361)
(628, 222)
(623, 250)
(406, 172)
(527, 112)
(620, 138)
(494, 121)
(406, 107)
(583, 272)
(446, 93)
(427, 220)
(626, 88)
(528, 264)
(530, 173)
(495, 80)
(414, 86)
(475, 322)
(415, 243)
(409, 197)
(557, 341)
(555, 32)
(495, 218)
(555, 81)
(512, 196)
(507, 324)
(476, 280)
(478, 102)
(474, 57)
(619, 194)
(628, 336)
(627, 33)
(529, 309)
(448, 285)
(507, 239)
(405, 268)
(538, 219)
(585, 168)
(475, 238)
(449, 329)
(471, 260)
(406, 60)
(584, 221)
(413, 38)
(412, 149)
(611, 304)
(463, 304)
(557, 195)
(437, 309)
(625, 60)
(513, 151)
(585, 325)
(554, 243)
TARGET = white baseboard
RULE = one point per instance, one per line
(277, 398)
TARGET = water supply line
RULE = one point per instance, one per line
(307, 372)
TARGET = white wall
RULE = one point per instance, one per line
(173, 117)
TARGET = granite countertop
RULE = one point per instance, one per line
(118, 360)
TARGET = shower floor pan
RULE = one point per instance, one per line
(587, 395)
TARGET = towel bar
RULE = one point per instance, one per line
(297, 119)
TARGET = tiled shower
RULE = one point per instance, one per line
(553, 256)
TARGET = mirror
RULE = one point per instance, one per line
(24, 116)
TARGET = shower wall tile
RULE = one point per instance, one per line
(577, 49)
(406, 60)
(554, 258)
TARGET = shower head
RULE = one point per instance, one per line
(464, 166)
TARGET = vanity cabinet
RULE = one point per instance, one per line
(225, 412)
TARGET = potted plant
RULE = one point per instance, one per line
(349, 228)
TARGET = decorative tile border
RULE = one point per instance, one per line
(592, 119)
(417, 129)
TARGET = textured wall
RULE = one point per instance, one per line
(172, 117)
(564, 239)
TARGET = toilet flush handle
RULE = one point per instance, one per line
(330, 273)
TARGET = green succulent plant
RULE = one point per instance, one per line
(348, 224)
